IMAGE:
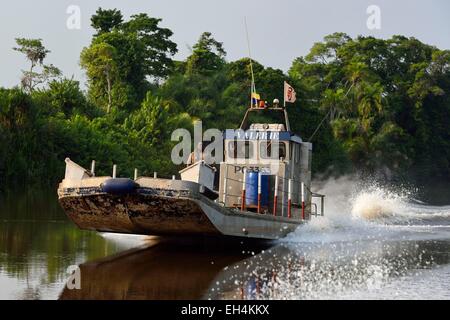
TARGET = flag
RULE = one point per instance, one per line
(289, 93)
(255, 99)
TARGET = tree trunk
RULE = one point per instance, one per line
(108, 80)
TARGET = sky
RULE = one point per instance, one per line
(279, 30)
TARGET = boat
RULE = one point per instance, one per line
(261, 189)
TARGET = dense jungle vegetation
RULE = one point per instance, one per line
(385, 103)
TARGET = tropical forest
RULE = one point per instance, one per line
(379, 107)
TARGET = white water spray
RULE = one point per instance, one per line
(361, 211)
(372, 242)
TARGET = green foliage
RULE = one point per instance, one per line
(105, 20)
(383, 105)
(18, 125)
(385, 99)
(157, 48)
(35, 52)
(123, 56)
(65, 96)
(99, 61)
(207, 57)
(33, 49)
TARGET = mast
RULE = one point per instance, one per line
(253, 86)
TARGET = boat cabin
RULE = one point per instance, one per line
(265, 166)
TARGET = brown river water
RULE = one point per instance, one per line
(360, 250)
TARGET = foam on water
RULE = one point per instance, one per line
(128, 241)
(378, 204)
(373, 242)
(356, 211)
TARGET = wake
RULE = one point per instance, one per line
(360, 211)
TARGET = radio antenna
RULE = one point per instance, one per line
(253, 88)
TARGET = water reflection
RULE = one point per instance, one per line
(165, 270)
(37, 244)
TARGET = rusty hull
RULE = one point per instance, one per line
(141, 213)
(166, 207)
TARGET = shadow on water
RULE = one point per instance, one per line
(167, 269)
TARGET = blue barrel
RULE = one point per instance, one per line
(251, 192)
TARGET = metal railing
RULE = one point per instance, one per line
(242, 198)
(322, 203)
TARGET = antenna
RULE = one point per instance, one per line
(253, 88)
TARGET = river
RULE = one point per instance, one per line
(372, 244)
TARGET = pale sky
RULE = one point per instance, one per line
(280, 30)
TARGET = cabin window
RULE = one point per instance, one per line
(240, 149)
(266, 149)
(297, 153)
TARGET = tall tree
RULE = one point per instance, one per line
(208, 55)
(142, 53)
(105, 20)
(156, 44)
(36, 53)
(99, 62)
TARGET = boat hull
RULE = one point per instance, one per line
(139, 213)
(168, 212)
